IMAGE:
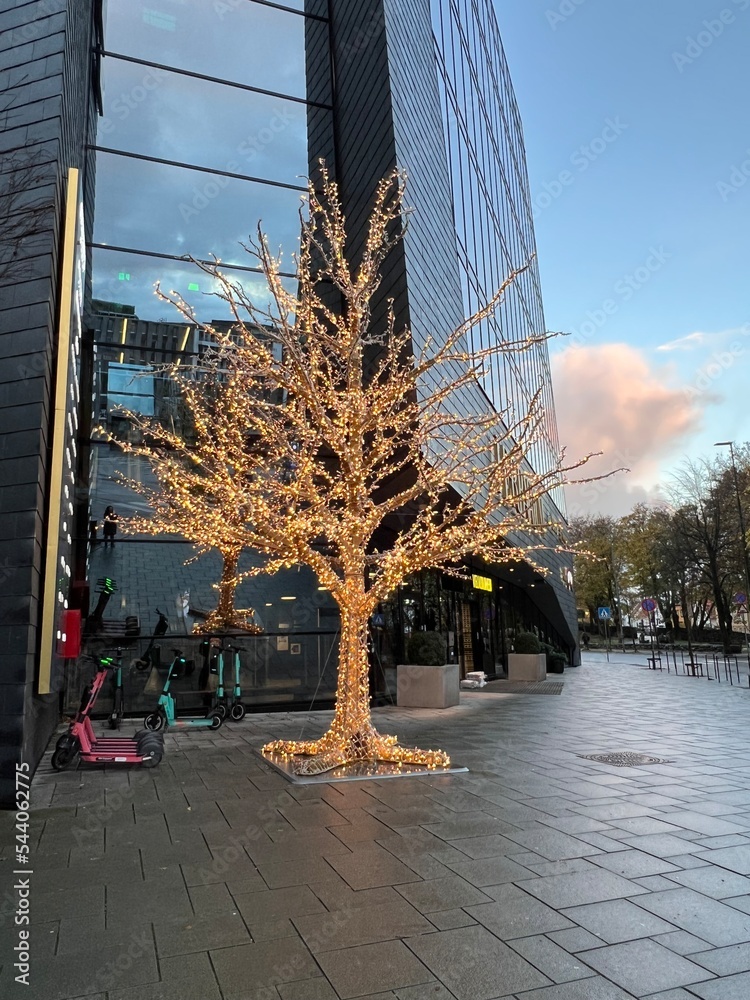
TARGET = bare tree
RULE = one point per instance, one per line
(329, 427)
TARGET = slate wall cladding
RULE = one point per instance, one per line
(46, 118)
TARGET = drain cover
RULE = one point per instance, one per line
(624, 758)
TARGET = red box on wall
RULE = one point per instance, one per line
(69, 645)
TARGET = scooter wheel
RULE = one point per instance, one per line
(114, 721)
(216, 720)
(139, 664)
(154, 721)
(151, 740)
(66, 740)
(152, 757)
(237, 712)
(64, 756)
(221, 710)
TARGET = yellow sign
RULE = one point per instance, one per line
(481, 582)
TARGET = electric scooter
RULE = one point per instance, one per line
(166, 710)
(145, 748)
(118, 701)
(236, 710)
(150, 655)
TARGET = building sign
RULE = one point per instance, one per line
(481, 582)
(63, 456)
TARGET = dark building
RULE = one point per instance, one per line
(211, 116)
(48, 101)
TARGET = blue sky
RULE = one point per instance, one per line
(637, 129)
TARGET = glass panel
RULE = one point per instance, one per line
(152, 206)
(234, 40)
(175, 117)
(123, 285)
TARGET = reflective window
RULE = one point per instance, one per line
(175, 117)
(236, 40)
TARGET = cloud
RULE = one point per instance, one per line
(686, 343)
(609, 398)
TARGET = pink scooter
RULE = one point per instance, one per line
(146, 748)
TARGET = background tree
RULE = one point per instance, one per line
(333, 428)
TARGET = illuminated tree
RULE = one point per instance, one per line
(329, 428)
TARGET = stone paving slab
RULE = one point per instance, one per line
(537, 875)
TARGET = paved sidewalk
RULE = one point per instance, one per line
(538, 875)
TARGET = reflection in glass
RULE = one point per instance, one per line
(235, 40)
(175, 117)
(126, 281)
(152, 206)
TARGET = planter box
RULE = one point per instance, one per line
(427, 687)
(527, 666)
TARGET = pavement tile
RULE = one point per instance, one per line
(706, 918)
(595, 988)
(727, 988)
(469, 825)
(725, 961)
(643, 967)
(579, 888)
(278, 876)
(197, 934)
(474, 965)
(388, 965)
(258, 908)
(681, 943)
(552, 844)
(485, 847)
(350, 928)
(736, 859)
(710, 826)
(663, 845)
(188, 978)
(448, 920)
(263, 964)
(371, 867)
(516, 914)
(617, 920)
(551, 960)
(442, 894)
(719, 883)
(575, 939)
(633, 864)
(311, 989)
(428, 991)
(489, 871)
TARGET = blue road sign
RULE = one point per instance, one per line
(649, 605)
(605, 614)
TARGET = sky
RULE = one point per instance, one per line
(637, 130)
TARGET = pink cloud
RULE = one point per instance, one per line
(610, 399)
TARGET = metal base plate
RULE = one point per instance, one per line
(365, 770)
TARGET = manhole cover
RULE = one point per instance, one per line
(624, 759)
(526, 687)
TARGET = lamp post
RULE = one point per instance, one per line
(743, 533)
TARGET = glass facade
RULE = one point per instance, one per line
(492, 209)
(213, 117)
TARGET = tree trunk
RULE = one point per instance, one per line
(352, 738)
(225, 612)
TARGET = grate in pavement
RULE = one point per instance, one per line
(624, 758)
(527, 687)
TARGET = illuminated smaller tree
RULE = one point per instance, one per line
(200, 492)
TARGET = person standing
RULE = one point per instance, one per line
(109, 527)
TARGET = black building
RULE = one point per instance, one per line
(211, 116)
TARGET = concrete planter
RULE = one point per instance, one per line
(426, 687)
(527, 666)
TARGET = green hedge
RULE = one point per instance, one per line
(526, 642)
(426, 649)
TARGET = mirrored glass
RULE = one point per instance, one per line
(237, 40)
(175, 117)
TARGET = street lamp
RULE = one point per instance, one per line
(730, 445)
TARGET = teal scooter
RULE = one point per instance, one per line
(166, 710)
(234, 709)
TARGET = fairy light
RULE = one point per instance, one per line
(299, 435)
